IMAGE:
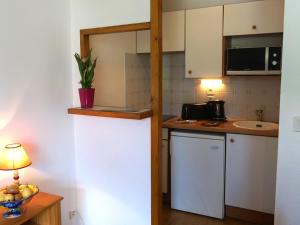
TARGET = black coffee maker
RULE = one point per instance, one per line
(216, 110)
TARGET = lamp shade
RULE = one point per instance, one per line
(13, 157)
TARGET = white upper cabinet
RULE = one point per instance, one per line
(251, 163)
(143, 41)
(173, 34)
(204, 42)
(261, 17)
(173, 31)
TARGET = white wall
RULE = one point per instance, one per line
(113, 155)
(35, 92)
(101, 13)
(113, 171)
(288, 171)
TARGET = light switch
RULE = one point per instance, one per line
(297, 124)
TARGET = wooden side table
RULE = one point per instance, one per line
(44, 209)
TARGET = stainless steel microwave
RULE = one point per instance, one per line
(254, 61)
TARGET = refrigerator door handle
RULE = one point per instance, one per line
(214, 147)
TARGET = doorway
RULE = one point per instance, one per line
(162, 212)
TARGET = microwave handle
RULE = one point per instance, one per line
(267, 59)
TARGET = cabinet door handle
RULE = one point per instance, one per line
(190, 72)
(231, 140)
(254, 27)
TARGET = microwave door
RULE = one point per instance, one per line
(243, 61)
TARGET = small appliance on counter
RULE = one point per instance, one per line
(195, 112)
(216, 110)
(212, 110)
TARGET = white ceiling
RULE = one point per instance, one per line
(172, 5)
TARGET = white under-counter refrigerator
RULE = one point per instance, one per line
(198, 173)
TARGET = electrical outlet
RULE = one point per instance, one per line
(72, 214)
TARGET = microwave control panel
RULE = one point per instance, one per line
(274, 58)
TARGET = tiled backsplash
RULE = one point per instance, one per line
(137, 81)
(242, 95)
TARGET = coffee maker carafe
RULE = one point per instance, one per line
(216, 110)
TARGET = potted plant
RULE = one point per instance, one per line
(86, 68)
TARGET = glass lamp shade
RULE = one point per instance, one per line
(13, 157)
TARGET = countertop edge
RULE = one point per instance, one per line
(228, 128)
(112, 114)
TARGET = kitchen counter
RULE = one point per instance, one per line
(224, 127)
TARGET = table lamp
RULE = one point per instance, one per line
(14, 157)
(12, 197)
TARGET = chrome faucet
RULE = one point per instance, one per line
(259, 114)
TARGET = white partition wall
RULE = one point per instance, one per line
(113, 155)
(288, 171)
(113, 171)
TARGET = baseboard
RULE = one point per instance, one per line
(249, 215)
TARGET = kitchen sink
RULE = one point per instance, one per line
(256, 125)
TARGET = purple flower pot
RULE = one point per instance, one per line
(87, 97)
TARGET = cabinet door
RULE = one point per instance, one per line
(173, 34)
(259, 17)
(165, 159)
(251, 172)
(50, 216)
(173, 31)
(204, 42)
(143, 41)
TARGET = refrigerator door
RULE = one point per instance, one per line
(197, 174)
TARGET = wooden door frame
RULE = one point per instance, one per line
(156, 119)
(155, 26)
(86, 33)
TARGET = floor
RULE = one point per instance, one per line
(173, 217)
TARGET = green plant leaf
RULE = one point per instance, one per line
(86, 68)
